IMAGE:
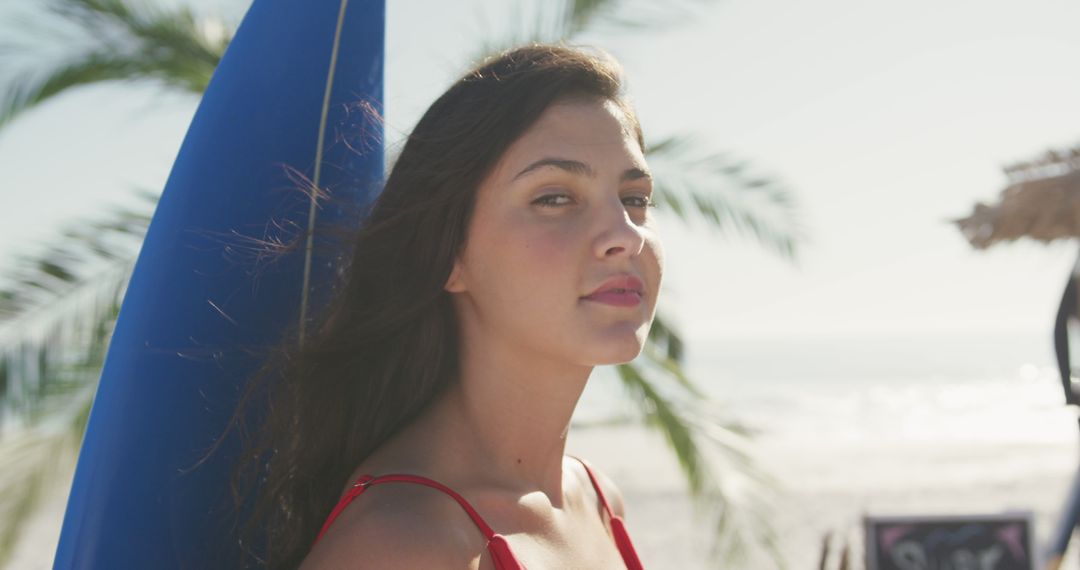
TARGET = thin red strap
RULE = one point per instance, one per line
(367, 480)
(354, 491)
(501, 556)
(596, 486)
(626, 548)
(618, 526)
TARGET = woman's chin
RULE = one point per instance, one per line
(617, 344)
(620, 353)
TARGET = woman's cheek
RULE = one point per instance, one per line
(551, 241)
(658, 253)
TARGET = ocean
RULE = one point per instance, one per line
(931, 388)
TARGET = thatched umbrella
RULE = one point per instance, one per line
(1042, 203)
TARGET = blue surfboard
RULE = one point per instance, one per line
(287, 95)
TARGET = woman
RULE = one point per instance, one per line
(511, 251)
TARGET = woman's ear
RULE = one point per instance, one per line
(455, 283)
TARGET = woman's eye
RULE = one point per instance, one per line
(639, 202)
(552, 200)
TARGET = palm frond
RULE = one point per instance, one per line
(127, 42)
(659, 413)
(172, 35)
(39, 454)
(552, 22)
(57, 311)
(665, 350)
(582, 16)
(88, 253)
(746, 496)
(523, 26)
(34, 461)
(42, 446)
(740, 501)
(719, 190)
(62, 354)
(578, 15)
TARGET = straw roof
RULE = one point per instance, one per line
(1042, 202)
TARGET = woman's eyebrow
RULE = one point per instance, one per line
(635, 174)
(581, 169)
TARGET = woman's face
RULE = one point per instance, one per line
(562, 257)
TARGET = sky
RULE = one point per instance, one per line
(884, 120)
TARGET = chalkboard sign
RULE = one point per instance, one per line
(977, 542)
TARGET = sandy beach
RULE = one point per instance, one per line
(831, 488)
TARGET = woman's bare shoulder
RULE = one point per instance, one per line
(611, 491)
(398, 525)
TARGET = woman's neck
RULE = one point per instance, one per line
(503, 423)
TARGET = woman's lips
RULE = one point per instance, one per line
(625, 298)
(624, 290)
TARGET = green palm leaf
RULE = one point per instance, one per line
(136, 42)
(45, 455)
(741, 500)
(43, 444)
(91, 252)
(664, 349)
(554, 22)
(719, 190)
(56, 319)
(659, 413)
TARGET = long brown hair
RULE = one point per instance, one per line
(386, 344)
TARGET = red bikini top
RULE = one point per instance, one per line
(497, 545)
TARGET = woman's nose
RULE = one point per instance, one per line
(618, 234)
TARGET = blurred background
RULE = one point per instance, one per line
(858, 354)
